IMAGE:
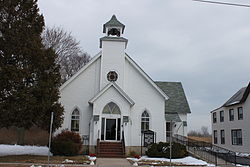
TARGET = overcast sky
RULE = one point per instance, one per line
(204, 46)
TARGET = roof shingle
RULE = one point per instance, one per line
(172, 117)
(239, 97)
(177, 102)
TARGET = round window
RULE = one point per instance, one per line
(112, 76)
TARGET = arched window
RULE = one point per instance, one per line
(111, 108)
(75, 120)
(145, 121)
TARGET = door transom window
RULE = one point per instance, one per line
(111, 108)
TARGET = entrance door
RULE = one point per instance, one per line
(110, 129)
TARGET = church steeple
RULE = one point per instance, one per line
(113, 53)
(113, 27)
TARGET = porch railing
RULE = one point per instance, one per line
(212, 153)
(85, 144)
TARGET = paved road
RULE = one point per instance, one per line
(118, 162)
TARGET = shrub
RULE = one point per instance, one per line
(162, 150)
(66, 143)
(66, 148)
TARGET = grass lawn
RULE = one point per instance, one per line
(41, 160)
(11, 165)
(21, 165)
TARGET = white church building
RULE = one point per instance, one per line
(112, 102)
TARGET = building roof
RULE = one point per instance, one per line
(177, 102)
(113, 22)
(172, 117)
(140, 70)
(239, 97)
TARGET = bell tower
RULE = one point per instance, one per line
(113, 47)
(113, 27)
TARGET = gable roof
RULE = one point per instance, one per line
(80, 71)
(177, 102)
(239, 97)
(112, 84)
(138, 68)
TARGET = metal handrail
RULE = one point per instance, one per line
(98, 147)
(123, 143)
(213, 150)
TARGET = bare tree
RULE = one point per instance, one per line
(194, 133)
(204, 131)
(70, 57)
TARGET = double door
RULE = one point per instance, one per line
(111, 129)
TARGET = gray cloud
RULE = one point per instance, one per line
(204, 46)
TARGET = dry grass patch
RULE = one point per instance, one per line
(44, 159)
(205, 139)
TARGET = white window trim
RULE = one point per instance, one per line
(75, 108)
(149, 117)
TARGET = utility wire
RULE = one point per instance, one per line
(224, 3)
